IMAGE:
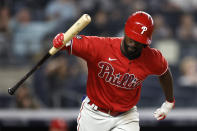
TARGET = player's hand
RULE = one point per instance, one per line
(162, 112)
(58, 41)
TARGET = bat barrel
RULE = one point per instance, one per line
(80, 24)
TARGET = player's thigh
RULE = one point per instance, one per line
(88, 120)
(132, 126)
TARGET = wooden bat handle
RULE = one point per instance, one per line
(81, 23)
(12, 90)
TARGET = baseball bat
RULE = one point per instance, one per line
(80, 24)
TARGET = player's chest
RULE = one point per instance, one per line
(118, 66)
(120, 72)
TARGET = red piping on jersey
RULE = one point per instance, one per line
(80, 116)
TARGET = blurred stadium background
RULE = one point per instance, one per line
(52, 96)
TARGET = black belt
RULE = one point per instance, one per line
(112, 113)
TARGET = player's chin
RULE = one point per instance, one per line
(132, 53)
(131, 50)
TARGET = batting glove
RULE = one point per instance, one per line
(58, 41)
(162, 112)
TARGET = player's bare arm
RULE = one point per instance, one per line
(166, 82)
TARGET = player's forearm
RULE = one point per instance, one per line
(166, 82)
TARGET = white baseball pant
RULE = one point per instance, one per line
(90, 119)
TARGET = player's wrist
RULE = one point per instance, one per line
(169, 105)
(170, 100)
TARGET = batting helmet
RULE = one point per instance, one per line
(139, 27)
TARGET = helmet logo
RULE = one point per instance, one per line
(144, 28)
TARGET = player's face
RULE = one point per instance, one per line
(132, 49)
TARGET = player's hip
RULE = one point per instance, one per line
(132, 113)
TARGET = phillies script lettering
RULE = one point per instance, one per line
(126, 81)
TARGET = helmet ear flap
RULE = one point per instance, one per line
(139, 27)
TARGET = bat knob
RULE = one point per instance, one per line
(11, 91)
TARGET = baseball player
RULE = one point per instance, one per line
(117, 66)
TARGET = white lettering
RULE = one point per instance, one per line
(144, 28)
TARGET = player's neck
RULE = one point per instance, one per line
(125, 54)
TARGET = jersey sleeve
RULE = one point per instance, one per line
(86, 47)
(159, 64)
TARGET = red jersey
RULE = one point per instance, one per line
(114, 82)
